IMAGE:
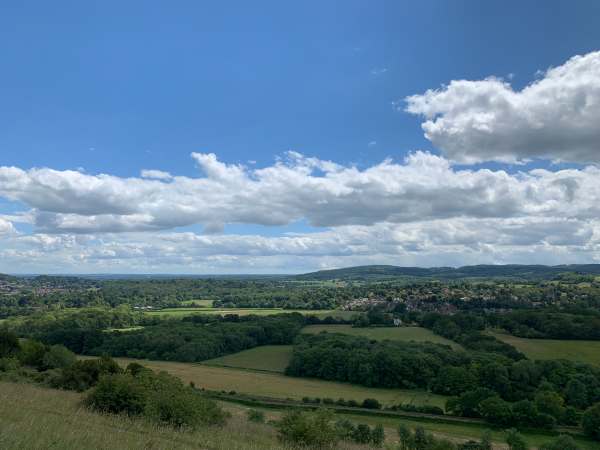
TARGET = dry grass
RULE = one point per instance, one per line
(36, 418)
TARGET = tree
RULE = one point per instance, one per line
(486, 441)
(496, 411)
(9, 344)
(378, 435)
(406, 437)
(515, 441)
(420, 439)
(550, 403)
(590, 421)
(308, 429)
(561, 443)
(576, 394)
(362, 434)
(58, 357)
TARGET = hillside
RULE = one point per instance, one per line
(513, 271)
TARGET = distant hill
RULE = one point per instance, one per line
(514, 271)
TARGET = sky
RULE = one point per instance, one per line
(283, 137)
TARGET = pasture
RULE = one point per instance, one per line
(181, 312)
(271, 358)
(276, 385)
(584, 351)
(418, 334)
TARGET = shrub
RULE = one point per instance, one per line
(371, 403)
(118, 393)
(8, 364)
(159, 397)
(82, 375)
(58, 357)
(378, 436)
(590, 421)
(308, 429)
(32, 354)
(561, 443)
(256, 416)
(362, 434)
(9, 343)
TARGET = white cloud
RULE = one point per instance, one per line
(429, 243)
(6, 227)
(556, 117)
(156, 174)
(423, 187)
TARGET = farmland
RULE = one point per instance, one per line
(182, 312)
(279, 386)
(272, 358)
(380, 333)
(573, 350)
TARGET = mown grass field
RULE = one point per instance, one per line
(37, 418)
(279, 386)
(585, 351)
(380, 333)
(181, 312)
(272, 358)
(198, 303)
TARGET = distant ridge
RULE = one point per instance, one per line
(480, 271)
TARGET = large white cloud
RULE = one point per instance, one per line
(557, 117)
(423, 187)
(430, 243)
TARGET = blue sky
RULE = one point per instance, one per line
(118, 87)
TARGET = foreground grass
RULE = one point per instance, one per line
(272, 358)
(36, 418)
(275, 385)
(584, 351)
(418, 334)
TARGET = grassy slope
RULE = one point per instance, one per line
(38, 418)
(273, 358)
(380, 333)
(279, 386)
(586, 351)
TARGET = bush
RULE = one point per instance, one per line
(119, 393)
(256, 416)
(159, 397)
(371, 403)
(9, 344)
(561, 443)
(8, 364)
(590, 421)
(58, 357)
(32, 354)
(82, 375)
(308, 429)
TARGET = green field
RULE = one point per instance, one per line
(198, 303)
(380, 333)
(272, 358)
(585, 351)
(181, 312)
(275, 385)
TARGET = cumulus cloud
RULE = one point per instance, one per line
(430, 243)
(156, 174)
(555, 118)
(6, 227)
(422, 187)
